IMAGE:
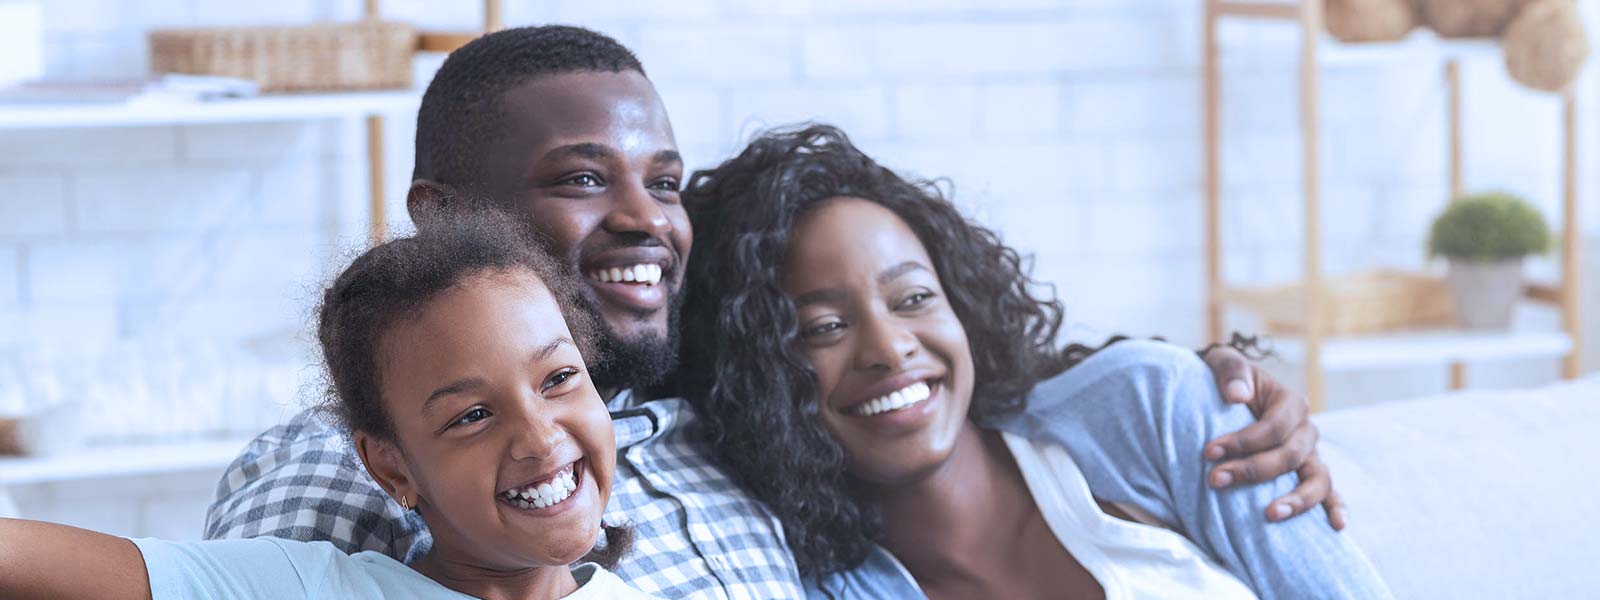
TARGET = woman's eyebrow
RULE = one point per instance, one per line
(900, 270)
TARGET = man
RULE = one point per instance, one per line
(560, 126)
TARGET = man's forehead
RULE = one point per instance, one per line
(562, 108)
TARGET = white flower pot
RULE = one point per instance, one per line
(1485, 291)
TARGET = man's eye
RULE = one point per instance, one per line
(472, 416)
(584, 180)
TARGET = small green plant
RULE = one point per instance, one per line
(1486, 227)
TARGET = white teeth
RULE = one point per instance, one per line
(543, 495)
(642, 273)
(895, 400)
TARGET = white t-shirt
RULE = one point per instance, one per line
(1129, 560)
(276, 568)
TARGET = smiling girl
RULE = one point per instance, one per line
(463, 386)
(896, 345)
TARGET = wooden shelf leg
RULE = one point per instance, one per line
(378, 217)
(1458, 376)
(1310, 31)
(1210, 101)
(1571, 240)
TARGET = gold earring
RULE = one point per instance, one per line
(403, 503)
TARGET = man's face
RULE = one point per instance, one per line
(590, 160)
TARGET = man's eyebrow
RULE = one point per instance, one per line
(821, 296)
(667, 156)
(900, 270)
(588, 150)
(458, 386)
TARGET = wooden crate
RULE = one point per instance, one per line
(323, 57)
(1361, 303)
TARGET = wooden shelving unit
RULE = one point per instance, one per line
(1315, 350)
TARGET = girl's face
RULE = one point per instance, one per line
(503, 444)
(894, 370)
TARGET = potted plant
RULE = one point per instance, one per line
(1485, 237)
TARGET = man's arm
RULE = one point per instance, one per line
(1281, 440)
(301, 481)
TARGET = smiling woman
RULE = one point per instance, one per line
(462, 382)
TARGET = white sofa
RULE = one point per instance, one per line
(1477, 494)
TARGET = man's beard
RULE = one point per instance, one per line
(637, 363)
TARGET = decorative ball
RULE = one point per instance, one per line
(1469, 18)
(1354, 21)
(1545, 45)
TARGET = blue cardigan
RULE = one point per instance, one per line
(1135, 418)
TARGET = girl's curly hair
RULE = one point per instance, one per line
(743, 369)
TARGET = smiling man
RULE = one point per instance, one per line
(561, 127)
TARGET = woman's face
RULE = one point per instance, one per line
(503, 443)
(894, 371)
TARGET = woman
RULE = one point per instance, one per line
(900, 343)
(464, 389)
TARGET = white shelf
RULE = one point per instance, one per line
(1427, 348)
(121, 461)
(286, 107)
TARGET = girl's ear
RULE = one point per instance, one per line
(387, 466)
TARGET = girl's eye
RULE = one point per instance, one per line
(584, 180)
(821, 329)
(478, 413)
(560, 377)
(668, 185)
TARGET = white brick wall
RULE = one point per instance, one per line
(1070, 126)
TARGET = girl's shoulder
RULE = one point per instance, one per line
(596, 583)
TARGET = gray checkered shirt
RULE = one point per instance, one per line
(696, 534)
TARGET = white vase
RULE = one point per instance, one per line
(1485, 291)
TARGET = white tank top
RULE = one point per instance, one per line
(1130, 560)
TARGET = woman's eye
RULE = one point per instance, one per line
(560, 377)
(916, 299)
(472, 416)
(667, 185)
(822, 329)
(584, 180)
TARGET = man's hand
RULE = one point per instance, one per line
(1280, 441)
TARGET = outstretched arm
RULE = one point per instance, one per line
(46, 560)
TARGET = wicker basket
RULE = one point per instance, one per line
(1369, 302)
(310, 58)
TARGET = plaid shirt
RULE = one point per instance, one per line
(696, 534)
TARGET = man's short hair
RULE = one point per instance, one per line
(464, 107)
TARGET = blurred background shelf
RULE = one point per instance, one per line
(287, 107)
(120, 461)
(1426, 348)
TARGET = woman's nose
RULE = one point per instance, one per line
(885, 344)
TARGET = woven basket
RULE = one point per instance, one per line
(311, 58)
(1370, 302)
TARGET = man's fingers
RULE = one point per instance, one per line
(1233, 373)
(1338, 513)
(1315, 488)
(1280, 458)
(1273, 429)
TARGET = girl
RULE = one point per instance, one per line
(463, 386)
(897, 343)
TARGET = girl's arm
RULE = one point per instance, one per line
(46, 560)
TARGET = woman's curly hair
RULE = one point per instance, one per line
(743, 368)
